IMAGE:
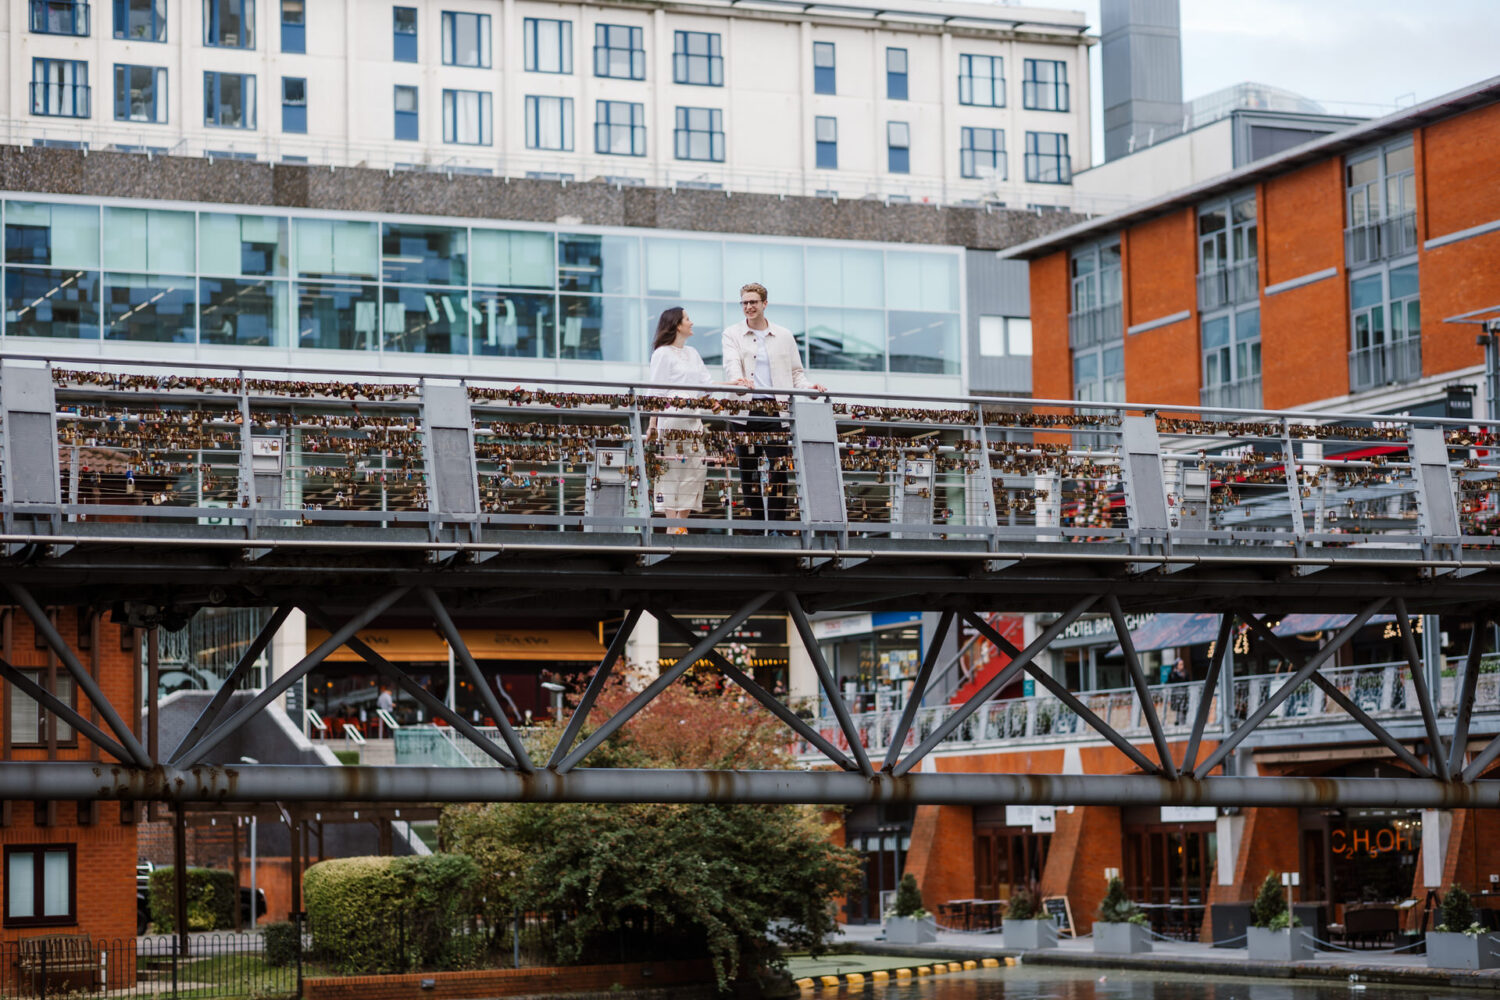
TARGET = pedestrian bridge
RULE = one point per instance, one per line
(156, 491)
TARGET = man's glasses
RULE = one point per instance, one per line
(747, 303)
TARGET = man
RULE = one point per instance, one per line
(384, 703)
(763, 356)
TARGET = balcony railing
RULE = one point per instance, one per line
(1243, 394)
(1380, 239)
(1226, 286)
(1090, 327)
(60, 100)
(1385, 364)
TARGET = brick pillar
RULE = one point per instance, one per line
(942, 854)
(1085, 842)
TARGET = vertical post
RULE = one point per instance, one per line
(179, 881)
(297, 923)
(295, 831)
(515, 936)
(50, 720)
(153, 685)
(234, 837)
(254, 889)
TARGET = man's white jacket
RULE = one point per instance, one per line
(786, 359)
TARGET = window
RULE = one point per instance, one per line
(229, 100)
(1005, 336)
(294, 26)
(1047, 160)
(549, 46)
(60, 17)
(229, 24)
(39, 889)
(1227, 271)
(1045, 86)
(1231, 359)
(141, 20)
(406, 113)
(697, 59)
(898, 147)
(895, 74)
(31, 725)
(981, 153)
(619, 52)
(466, 117)
(293, 104)
(466, 39)
(60, 88)
(404, 34)
(1386, 328)
(549, 123)
(620, 128)
(140, 94)
(981, 81)
(824, 80)
(826, 139)
(1096, 316)
(1381, 193)
(1099, 373)
(699, 134)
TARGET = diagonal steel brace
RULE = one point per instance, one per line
(67, 713)
(596, 684)
(830, 686)
(231, 684)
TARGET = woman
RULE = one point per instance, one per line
(679, 487)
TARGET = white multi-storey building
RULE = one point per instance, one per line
(942, 102)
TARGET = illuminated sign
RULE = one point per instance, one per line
(1360, 840)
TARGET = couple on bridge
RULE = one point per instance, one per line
(758, 355)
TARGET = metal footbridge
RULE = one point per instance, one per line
(460, 502)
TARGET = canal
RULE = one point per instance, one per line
(1051, 983)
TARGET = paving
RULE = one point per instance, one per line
(869, 952)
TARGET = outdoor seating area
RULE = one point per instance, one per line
(972, 914)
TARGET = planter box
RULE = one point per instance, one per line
(1121, 939)
(1294, 945)
(1030, 935)
(1462, 951)
(911, 930)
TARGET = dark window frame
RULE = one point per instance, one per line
(412, 118)
(683, 60)
(967, 94)
(47, 7)
(533, 122)
(825, 78)
(293, 106)
(682, 134)
(404, 41)
(968, 153)
(1033, 88)
(635, 38)
(158, 96)
(45, 719)
(38, 887)
(158, 11)
(449, 38)
(76, 88)
(825, 151)
(530, 39)
(294, 33)
(215, 78)
(896, 80)
(211, 26)
(605, 125)
(898, 155)
(1062, 158)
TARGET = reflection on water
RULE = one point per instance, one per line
(1038, 983)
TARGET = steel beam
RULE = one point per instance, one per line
(596, 684)
(231, 684)
(1206, 696)
(290, 783)
(1285, 691)
(1482, 760)
(1142, 691)
(1470, 683)
(81, 677)
(918, 691)
(830, 685)
(63, 711)
(1437, 751)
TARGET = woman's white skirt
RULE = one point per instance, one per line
(680, 484)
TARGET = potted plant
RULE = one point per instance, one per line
(1025, 926)
(908, 922)
(1459, 942)
(1120, 925)
(1274, 934)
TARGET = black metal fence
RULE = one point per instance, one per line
(213, 965)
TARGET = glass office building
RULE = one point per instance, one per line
(277, 284)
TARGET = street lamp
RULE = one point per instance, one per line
(557, 693)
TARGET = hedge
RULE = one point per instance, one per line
(282, 944)
(211, 898)
(391, 914)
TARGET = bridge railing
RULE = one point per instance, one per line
(261, 448)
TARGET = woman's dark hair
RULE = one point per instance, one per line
(666, 327)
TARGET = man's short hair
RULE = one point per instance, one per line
(757, 288)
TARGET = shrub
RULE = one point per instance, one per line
(348, 758)
(211, 898)
(1270, 902)
(1022, 906)
(282, 944)
(1457, 911)
(1117, 907)
(908, 898)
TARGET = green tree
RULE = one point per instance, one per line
(1118, 908)
(908, 898)
(689, 880)
(1270, 903)
(1457, 910)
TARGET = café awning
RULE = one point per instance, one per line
(416, 645)
(1167, 631)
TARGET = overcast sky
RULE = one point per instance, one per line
(1354, 56)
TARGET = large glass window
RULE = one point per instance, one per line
(56, 235)
(140, 94)
(1045, 86)
(514, 324)
(425, 321)
(39, 885)
(684, 269)
(699, 134)
(141, 20)
(697, 59)
(406, 125)
(249, 312)
(404, 34)
(417, 254)
(1231, 358)
(898, 147)
(981, 153)
(596, 328)
(1005, 336)
(466, 39)
(844, 332)
(512, 259)
(337, 317)
(981, 81)
(826, 142)
(1227, 250)
(1099, 374)
(923, 298)
(327, 248)
(1047, 159)
(549, 123)
(51, 302)
(149, 239)
(293, 104)
(293, 26)
(610, 265)
(229, 24)
(1381, 193)
(620, 128)
(895, 74)
(150, 307)
(619, 52)
(229, 100)
(466, 117)
(60, 88)
(242, 244)
(825, 79)
(60, 17)
(549, 45)
(1386, 328)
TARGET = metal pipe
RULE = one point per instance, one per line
(290, 783)
(829, 682)
(231, 684)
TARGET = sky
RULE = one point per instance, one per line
(1353, 56)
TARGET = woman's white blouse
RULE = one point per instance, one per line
(678, 366)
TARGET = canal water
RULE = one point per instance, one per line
(1052, 983)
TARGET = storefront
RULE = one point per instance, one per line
(1170, 852)
(1010, 848)
(882, 836)
(1355, 857)
(874, 657)
(758, 647)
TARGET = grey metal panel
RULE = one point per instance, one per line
(29, 404)
(1147, 492)
(996, 288)
(820, 482)
(1439, 506)
(452, 472)
(447, 405)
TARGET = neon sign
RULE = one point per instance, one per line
(1348, 843)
